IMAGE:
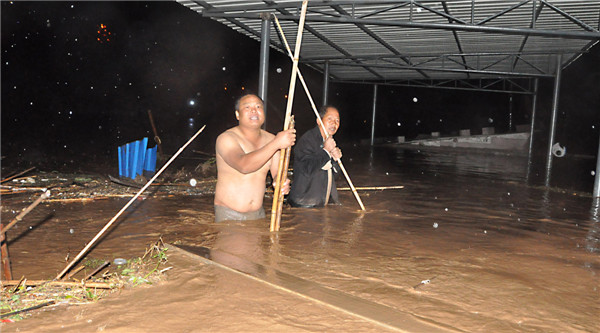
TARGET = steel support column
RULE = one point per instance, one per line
(374, 110)
(553, 121)
(325, 83)
(596, 192)
(263, 70)
(532, 127)
(510, 113)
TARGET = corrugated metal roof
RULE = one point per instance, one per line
(393, 41)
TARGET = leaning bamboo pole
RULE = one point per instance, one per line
(17, 175)
(312, 103)
(286, 164)
(372, 188)
(288, 114)
(25, 211)
(93, 241)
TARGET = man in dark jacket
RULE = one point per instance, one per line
(315, 157)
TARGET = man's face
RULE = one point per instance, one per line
(251, 112)
(331, 120)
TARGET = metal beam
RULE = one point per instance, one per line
(379, 39)
(326, 41)
(430, 85)
(525, 38)
(449, 70)
(586, 35)
(456, 39)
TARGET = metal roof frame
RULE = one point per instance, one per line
(491, 45)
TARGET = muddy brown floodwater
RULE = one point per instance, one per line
(467, 245)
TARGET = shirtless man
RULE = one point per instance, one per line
(245, 154)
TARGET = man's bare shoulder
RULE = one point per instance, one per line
(266, 135)
(227, 139)
(232, 133)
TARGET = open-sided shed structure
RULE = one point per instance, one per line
(484, 45)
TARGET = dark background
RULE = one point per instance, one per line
(72, 92)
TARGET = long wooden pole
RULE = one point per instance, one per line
(288, 114)
(156, 137)
(312, 103)
(93, 241)
(26, 211)
(17, 175)
(372, 188)
(6, 269)
(286, 164)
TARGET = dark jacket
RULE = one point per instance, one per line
(309, 185)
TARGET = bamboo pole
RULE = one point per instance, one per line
(288, 113)
(156, 137)
(286, 163)
(5, 263)
(93, 241)
(371, 188)
(41, 305)
(75, 271)
(25, 212)
(17, 175)
(312, 103)
(98, 269)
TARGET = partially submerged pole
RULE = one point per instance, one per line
(277, 208)
(312, 103)
(6, 267)
(553, 121)
(596, 192)
(532, 127)
(93, 241)
(281, 173)
(374, 111)
(25, 211)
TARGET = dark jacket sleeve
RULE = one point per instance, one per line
(310, 155)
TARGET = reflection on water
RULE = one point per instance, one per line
(593, 236)
(501, 255)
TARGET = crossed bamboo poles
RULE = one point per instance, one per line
(282, 173)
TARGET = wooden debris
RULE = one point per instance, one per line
(99, 285)
(17, 175)
(8, 314)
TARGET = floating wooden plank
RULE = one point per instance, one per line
(375, 313)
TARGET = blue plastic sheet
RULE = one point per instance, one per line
(135, 158)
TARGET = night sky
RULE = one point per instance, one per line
(78, 79)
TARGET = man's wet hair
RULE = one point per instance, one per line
(323, 109)
(237, 101)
